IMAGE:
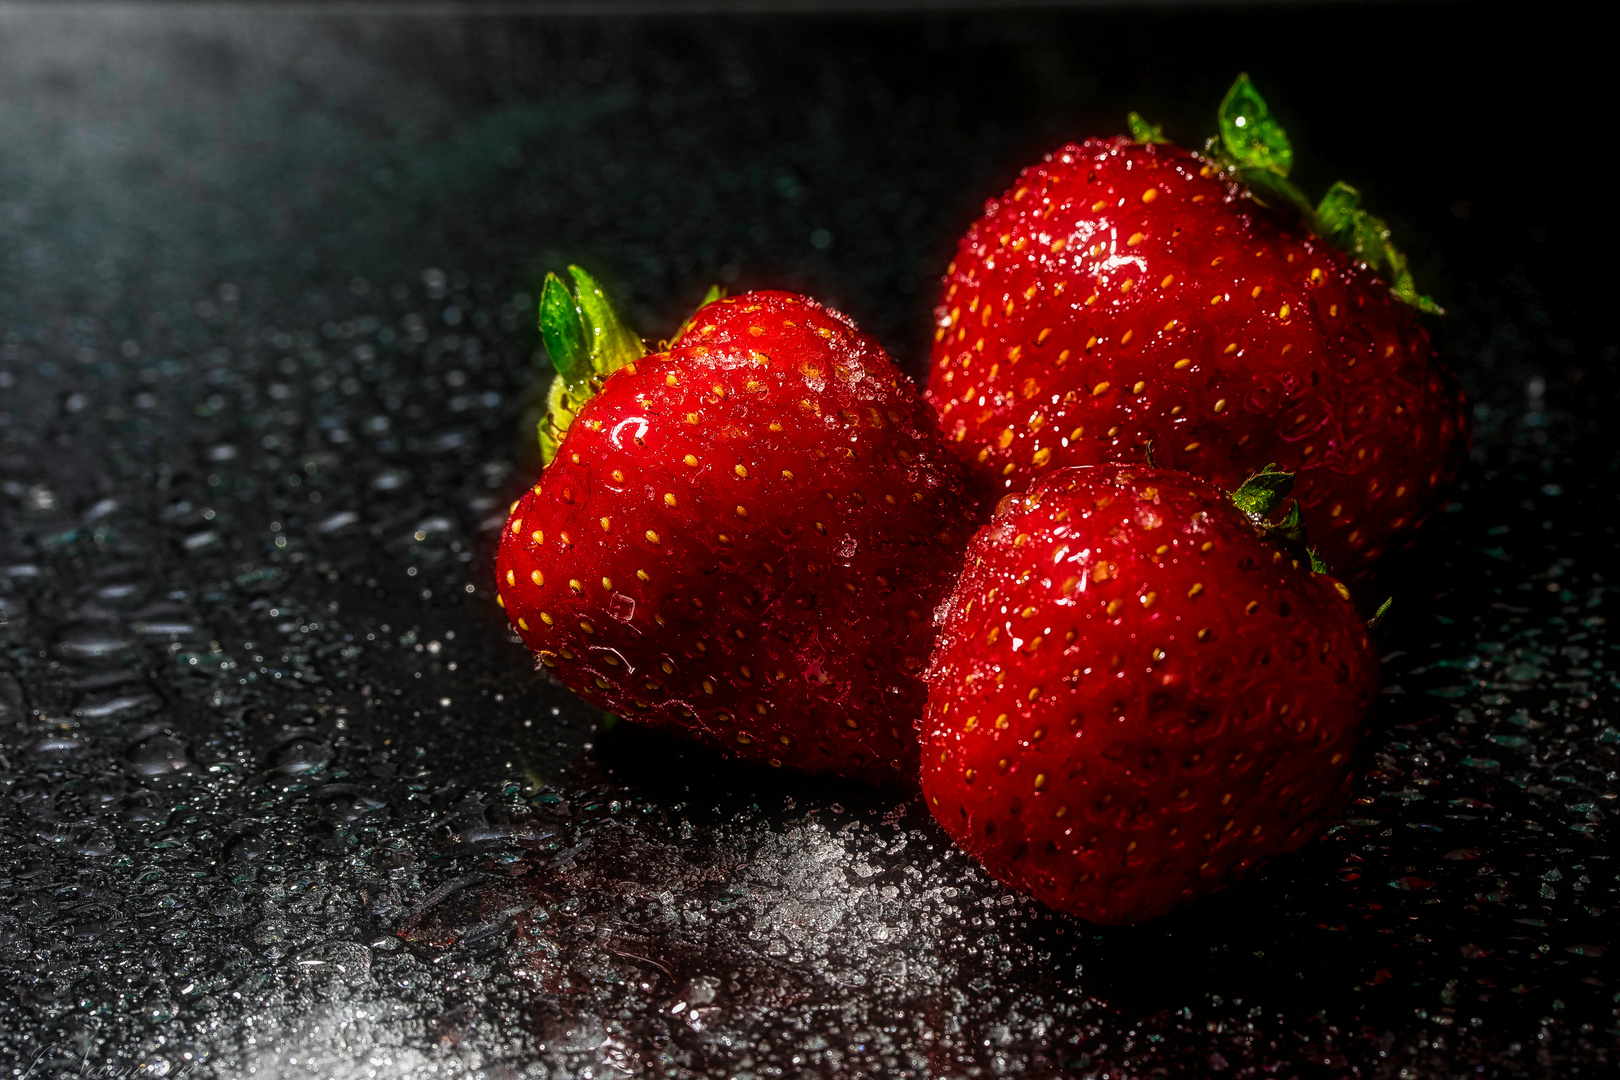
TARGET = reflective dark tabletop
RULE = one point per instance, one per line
(279, 793)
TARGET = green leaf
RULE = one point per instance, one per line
(1262, 493)
(1342, 222)
(563, 334)
(1290, 531)
(1337, 211)
(1254, 147)
(1144, 132)
(612, 345)
(1425, 304)
(1378, 616)
(1404, 286)
(716, 292)
(561, 405)
(1259, 497)
(1249, 134)
(587, 342)
(1350, 228)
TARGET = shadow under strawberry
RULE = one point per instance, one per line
(666, 769)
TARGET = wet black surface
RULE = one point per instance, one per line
(279, 794)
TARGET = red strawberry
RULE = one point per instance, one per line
(1130, 294)
(741, 539)
(1136, 694)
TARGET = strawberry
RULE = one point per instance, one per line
(740, 539)
(1137, 694)
(1128, 298)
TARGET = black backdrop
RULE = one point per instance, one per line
(278, 790)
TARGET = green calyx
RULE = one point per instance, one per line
(1342, 222)
(1260, 496)
(1253, 147)
(586, 342)
(1249, 133)
(1144, 132)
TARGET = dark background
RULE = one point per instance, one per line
(279, 792)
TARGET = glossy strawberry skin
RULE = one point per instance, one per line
(1122, 294)
(742, 540)
(1135, 697)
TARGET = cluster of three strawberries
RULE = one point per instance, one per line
(1065, 589)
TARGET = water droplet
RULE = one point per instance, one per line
(93, 643)
(340, 520)
(158, 756)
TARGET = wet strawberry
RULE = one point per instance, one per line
(1137, 693)
(1129, 294)
(742, 539)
